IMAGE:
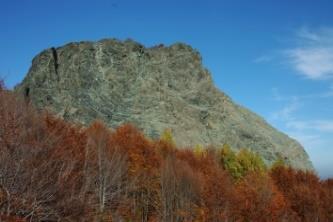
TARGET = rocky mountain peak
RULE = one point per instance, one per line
(156, 88)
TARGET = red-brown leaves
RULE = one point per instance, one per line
(216, 193)
(142, 156)
(51, 170)
(327, 198)
(257, 199)
(306, 195)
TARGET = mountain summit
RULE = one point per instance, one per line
(157, 88)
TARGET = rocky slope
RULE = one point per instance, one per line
(155, 88)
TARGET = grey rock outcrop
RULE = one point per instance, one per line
(154, 88)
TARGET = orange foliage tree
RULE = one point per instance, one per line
(303, 191)
(143, 169)
(257, 198)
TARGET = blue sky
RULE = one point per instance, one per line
(274, 57)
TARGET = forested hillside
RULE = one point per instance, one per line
(51, 170)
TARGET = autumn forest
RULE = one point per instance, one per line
(52, 170)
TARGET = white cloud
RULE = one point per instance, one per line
(313, 58)
(314, 63)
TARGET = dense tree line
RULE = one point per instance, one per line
(51, 170)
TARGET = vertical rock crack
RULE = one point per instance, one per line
(55, 59)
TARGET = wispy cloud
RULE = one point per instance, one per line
(310, 141)
(313, 57)
(314, 63)
(278, 96)
(325, 126)
(286, 113)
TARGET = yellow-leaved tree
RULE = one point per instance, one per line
(167, 137)
(239, 164)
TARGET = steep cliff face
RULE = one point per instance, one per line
(154, 88)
